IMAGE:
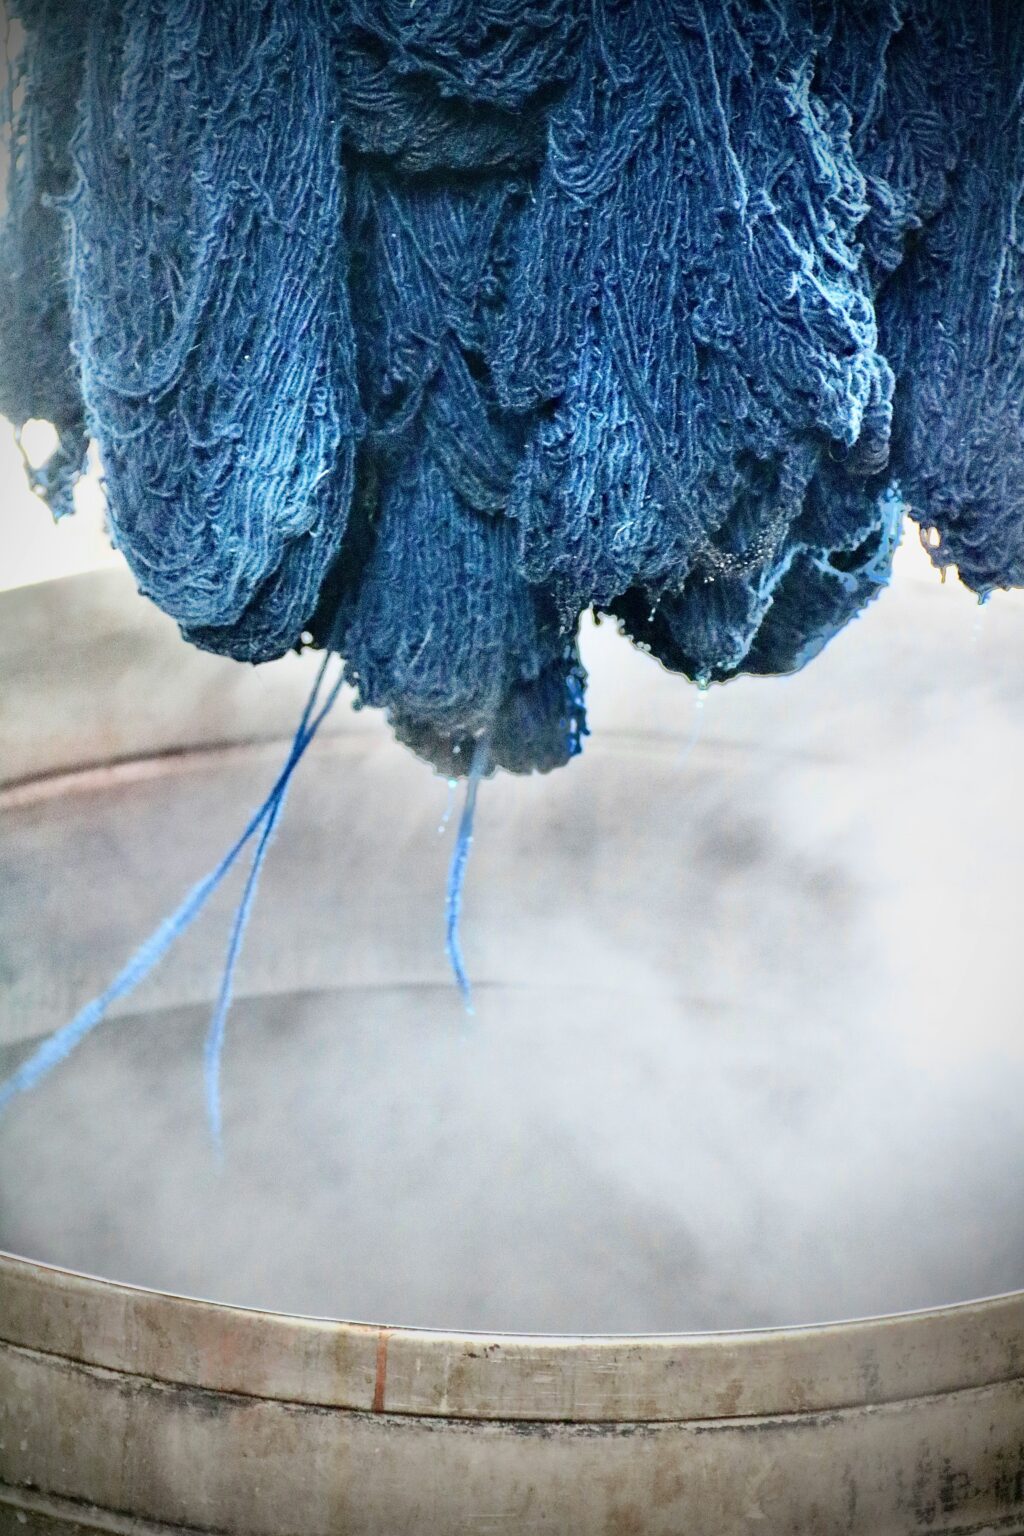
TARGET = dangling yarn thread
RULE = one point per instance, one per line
(58, 1046)
(457, 872)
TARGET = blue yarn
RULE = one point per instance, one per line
(274, 807)
(953, 313)
(209, 307)
(58, 1046)
(479, 764)
(415, 331)
(38, 376)
(423, 329)
(214, 1048)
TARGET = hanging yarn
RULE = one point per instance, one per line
(952, 315)
(209, 309)
(414, 331)
(38, 374)
(429, 327)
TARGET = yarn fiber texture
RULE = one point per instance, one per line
(416, 330)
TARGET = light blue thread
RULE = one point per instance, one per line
(214, 1047)
(60, 1045)
(457, 871)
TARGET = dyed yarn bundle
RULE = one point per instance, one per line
(414, 330)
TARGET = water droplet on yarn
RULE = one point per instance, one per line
(446, 815)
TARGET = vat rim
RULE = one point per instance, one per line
(779, 1371)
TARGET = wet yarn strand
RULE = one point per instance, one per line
(457, 871)
(213, 1051)
(60, 1045)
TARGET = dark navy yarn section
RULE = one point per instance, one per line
(420, 329)
(38, 374)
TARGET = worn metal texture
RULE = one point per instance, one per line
(88, 1444)
(329, 1364)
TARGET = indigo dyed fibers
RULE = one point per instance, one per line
(58, 1046)
(415, 329)
(421, 329)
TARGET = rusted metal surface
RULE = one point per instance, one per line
(506, 1376)
(120, 1405)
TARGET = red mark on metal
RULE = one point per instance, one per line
(382, 1370)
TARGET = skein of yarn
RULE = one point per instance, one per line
(428, 327)
(414, 331)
